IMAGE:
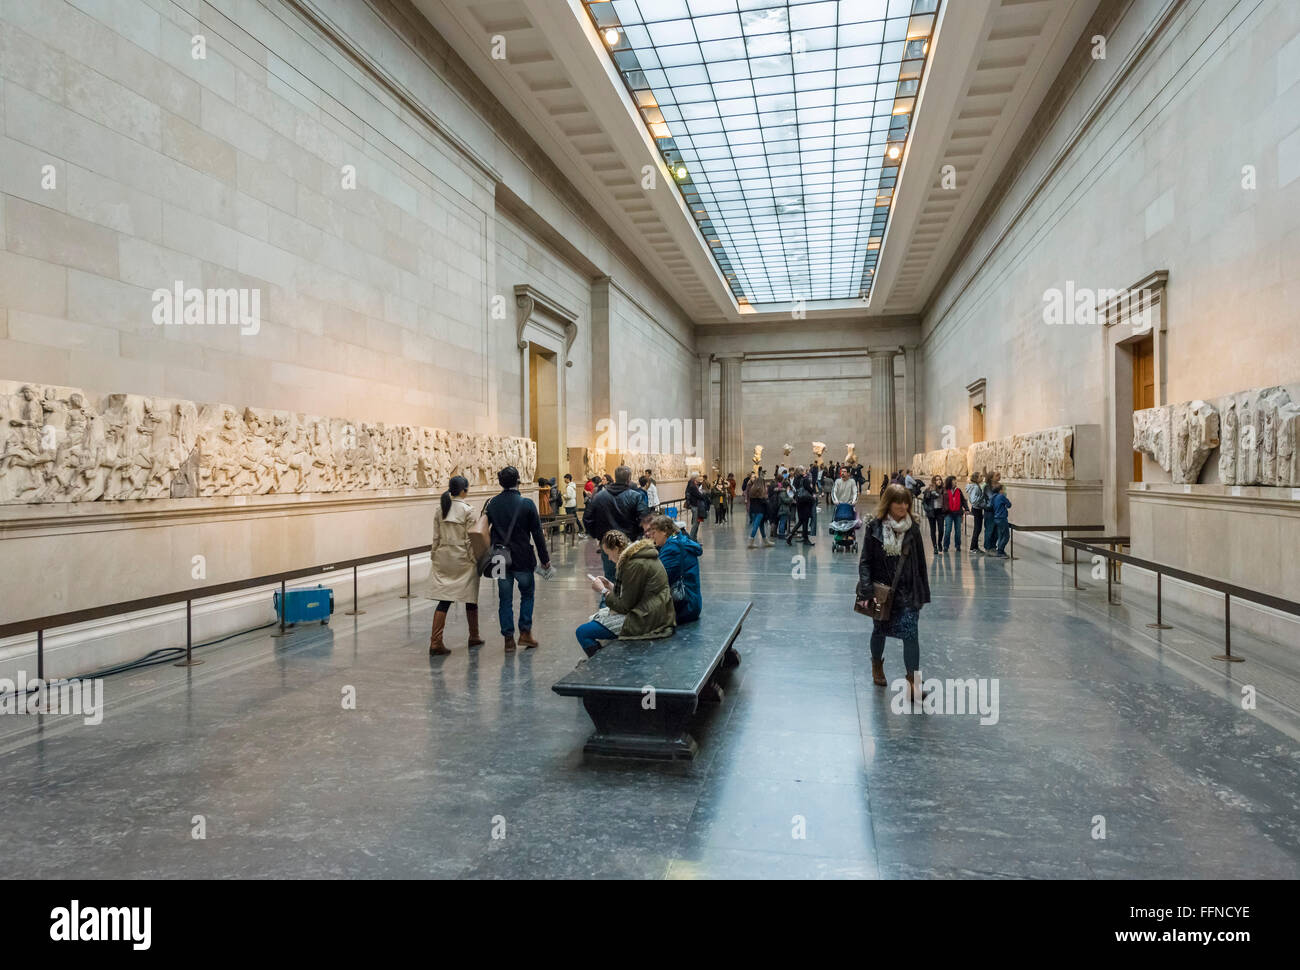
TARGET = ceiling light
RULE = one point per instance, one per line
(894, 151)
(611, 36)
(681, 171)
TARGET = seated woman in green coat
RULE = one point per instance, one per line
(638, 603)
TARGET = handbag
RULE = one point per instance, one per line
(481, 535)
(480, 540)
(882, 596)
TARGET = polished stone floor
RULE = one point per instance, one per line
(804, 771)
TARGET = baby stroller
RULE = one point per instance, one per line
(844, 528)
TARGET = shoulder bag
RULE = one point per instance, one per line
(882, 596)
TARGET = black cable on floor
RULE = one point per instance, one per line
(159, 656)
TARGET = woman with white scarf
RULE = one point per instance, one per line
(892, 532)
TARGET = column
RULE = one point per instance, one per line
(731, 422)
(912, 437)
(882, 433)
(704, 409)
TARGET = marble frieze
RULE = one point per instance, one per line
(63, 444)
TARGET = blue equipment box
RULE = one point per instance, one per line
(301, 605)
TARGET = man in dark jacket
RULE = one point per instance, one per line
(618, 506)
(805, 501)
(514, 521)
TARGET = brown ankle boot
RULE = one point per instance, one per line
(878, 673)
(916, 693)
(471, 617)
(510, 644)
(436, 646)
(526, 639)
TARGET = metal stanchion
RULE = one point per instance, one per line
(1076, 568)
(282, 632)
(40, 655)
(1227, 633)
(356, 603)
(1109, 601)
(1159, 624)
(408, 581)
(189, 660)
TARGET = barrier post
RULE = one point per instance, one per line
(1109, 601)
(356, 603)
(1227, 633)
(282, 632)
(408, 581)
(1159, 624)
(40, 655)
(1076, 567)
(189, 660)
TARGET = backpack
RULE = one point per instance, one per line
(954, 500)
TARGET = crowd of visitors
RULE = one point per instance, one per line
(650, 580)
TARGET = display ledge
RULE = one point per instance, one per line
(53, 518)
(1055, 484)
(1228, 496)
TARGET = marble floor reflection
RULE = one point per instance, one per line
(469, 766)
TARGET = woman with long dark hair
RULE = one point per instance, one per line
(893, 547)
(454, 575)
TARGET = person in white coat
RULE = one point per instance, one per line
(845, 489)
(571, 502)
(651, 491)
(454, 575)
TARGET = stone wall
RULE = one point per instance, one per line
(1221, 81)
(64, 445)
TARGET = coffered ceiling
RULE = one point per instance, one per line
(991, 63)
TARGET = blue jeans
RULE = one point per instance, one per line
(756, 525)
(782, 523)
(951, 524)
(589, 635)
(506, 600)
(1004, 536)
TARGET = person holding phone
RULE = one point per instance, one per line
(638, 602)
(891, 534)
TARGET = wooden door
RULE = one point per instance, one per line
(1144, 388)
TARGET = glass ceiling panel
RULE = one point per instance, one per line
(784, 123)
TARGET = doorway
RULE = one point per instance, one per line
(544, 409)
(1144, 387)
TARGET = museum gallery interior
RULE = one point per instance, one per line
(951, 344)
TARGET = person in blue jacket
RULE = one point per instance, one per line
(1001, 506)
(680, 555)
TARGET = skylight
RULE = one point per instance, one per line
(778, 119)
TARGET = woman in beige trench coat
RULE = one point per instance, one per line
(454, 576)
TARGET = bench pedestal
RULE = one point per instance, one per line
(624, 729)
(680, 672)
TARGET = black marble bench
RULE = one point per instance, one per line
(615, 685)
